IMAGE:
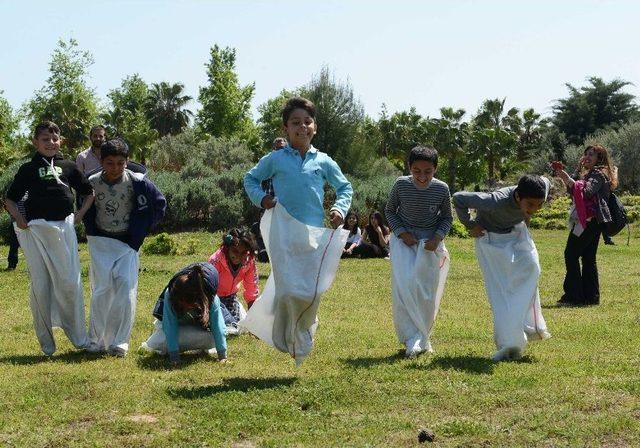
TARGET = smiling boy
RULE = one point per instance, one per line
(419, 213)
(127, 206)
(48, 239)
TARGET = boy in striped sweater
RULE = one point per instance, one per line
(419, 213)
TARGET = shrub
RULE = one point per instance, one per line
(458, 230)
(161, 244)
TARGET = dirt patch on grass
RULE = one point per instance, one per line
(142, 418)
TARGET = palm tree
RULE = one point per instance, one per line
(495, 134)
(166, 108)
(451, 135)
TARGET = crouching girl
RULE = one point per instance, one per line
(189, 315)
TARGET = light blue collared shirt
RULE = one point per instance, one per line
(299, 184)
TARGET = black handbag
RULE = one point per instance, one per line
(618, 216)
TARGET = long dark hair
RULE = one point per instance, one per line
(188, 293)
(346, 222)
(378, 217)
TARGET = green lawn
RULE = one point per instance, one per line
(580, 388)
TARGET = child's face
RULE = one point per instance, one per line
(529, 206)
(237, 253)
(422, 172)
(97, 138)
(113, 167)
(300, 128)
(352, 221)
(47, 143)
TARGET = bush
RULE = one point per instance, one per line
(161, 244)
(458, 230)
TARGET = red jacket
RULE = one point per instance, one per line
(228, 283)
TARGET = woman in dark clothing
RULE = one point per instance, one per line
(590, 188)
(375, 240)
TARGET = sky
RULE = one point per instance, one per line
(425, 54)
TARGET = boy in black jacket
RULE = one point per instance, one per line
(48, 239)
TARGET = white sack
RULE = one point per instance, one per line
(114, 289)
(51, 250)
(418, 279)
(190, 338)
(511, 270)
(304, 260)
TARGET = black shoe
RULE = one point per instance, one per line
(11, 267)
(609, 243)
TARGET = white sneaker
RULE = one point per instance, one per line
(425, 346)
(413, 347)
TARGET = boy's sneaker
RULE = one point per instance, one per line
(413, 347)
(118, 352)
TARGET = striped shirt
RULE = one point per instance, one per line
(426, 210)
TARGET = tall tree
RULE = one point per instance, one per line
(9, 139)
(166, 108)
(400, 132)
(494, 136)
(225, 104)
(597, 106)
(66, 98)
(339, 114)
(270, 120)
(127, 116)
(450, 137)
(530, 133)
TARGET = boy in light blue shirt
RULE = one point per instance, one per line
(299, 172)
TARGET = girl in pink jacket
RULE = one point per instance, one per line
(235, 264)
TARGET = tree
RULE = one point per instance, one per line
(66, 99)
(270, 120)
(165, 107)
(530, 135)
(598, 106)
(127, 116)
(225, 104)
(9, 138)
(400, 132)
(339, 114)
(494, 136)
(450, 137)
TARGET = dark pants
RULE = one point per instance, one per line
(368, 250)
(230, 308)
(581, 286)
(12, 258)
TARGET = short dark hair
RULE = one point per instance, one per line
(297, 103)
(531, 186)
(279, 140)
(115, 147)
(46, 126)
(97, 128)
(423, 153)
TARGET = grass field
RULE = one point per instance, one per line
(580, 388)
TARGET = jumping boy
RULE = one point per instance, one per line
(48, 239)
(298, 246)
(508, 259)
(419, 213)
(126, 208)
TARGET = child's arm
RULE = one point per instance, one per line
(465, 200)
(344, 192)
(13, 210)
(159, 202)
(391, 212)
(217, 326)
(252, 182)
(170, 329)
(87, 201)
(250, 284)
(444, 224)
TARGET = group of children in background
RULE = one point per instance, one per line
(199, 305)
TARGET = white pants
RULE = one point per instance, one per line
(304, 261)
(51, 250)
(190, 338)
(114, 289)
(418, 277)
(511, 270)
